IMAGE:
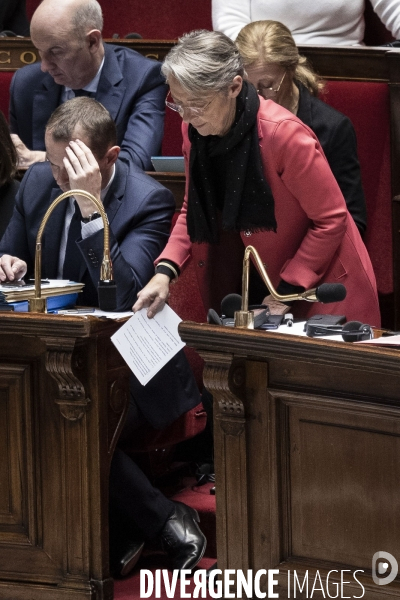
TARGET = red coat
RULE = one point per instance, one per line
(317, 240)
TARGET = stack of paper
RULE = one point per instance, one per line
(15, 292)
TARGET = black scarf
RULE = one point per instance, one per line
(248, 203)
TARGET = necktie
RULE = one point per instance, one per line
(79, 93)
(73, 257)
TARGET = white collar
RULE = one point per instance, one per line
(104, 191)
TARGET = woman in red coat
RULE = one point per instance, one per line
(255, 175)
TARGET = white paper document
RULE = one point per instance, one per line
(148, 344)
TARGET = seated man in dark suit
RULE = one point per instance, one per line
(82, 154)
(75, 61)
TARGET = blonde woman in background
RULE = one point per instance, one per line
(278, 72)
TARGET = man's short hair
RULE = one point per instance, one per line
(86, 17)
(91, 116)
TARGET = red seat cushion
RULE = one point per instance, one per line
(5, 81)
(172, 140)
(367, 105)
(185, 427)
(154, 20)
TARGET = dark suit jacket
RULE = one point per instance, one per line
(131, 87)
(338, 139)
(13, 17)
(139, 211)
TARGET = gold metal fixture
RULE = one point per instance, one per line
(38, 304)
(244, 318)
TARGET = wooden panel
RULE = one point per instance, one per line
(16, 53)
(23, 547)
(63, 398)
(344, 462)
(321, 463)
(351, 63)
(16, 448)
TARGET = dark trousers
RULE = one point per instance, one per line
(135, 504)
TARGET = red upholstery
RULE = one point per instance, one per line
(5, 80)
(172, 141)
(367, 105)
(170, 21)
(187, 426)
(153, 20)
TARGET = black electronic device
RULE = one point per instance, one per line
(107, 293)
(353, 331)
(325, 320)
(273, 322)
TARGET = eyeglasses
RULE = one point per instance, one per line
(180, 108)
(261, 89)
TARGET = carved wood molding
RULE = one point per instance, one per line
(72, 399)
(224, 376)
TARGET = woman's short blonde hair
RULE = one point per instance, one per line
(270, 42)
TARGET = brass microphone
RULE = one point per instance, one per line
(107, 298)
(327, 292)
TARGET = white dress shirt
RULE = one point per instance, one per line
(68, 93)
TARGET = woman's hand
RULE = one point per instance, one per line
(275, 307)
(154, 295)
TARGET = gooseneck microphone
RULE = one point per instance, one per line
(107, 291)
(329, 292)
(229, 305)
(325, 293)
(245, 318)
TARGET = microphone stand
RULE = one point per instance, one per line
(39, 304)
(244, 318)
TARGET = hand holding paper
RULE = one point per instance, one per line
(148, 344)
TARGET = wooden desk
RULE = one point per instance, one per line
(63, 395)
(307, 453)
(18, 52)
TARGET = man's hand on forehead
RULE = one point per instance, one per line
(84, 174)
